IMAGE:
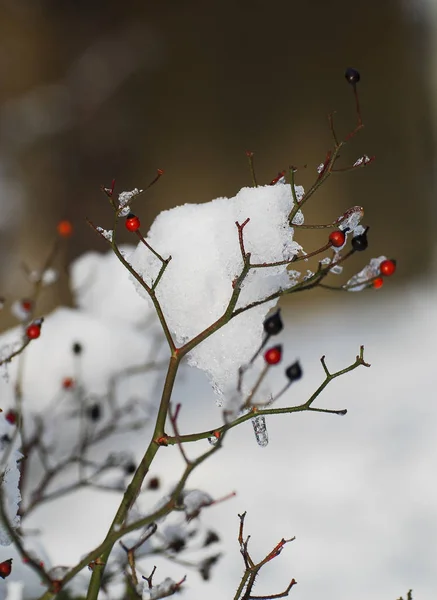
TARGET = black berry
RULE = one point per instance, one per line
(273, 325)
(294, 371)
(130, 468)
(352, 76)
(177, 544)
(77, 348)
(94, 412)
(360, 242)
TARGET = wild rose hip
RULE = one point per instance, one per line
(67, 383)
(378, 283)
(273, 355)
(132, 222)
(65, 228)
(387, 267)
(11, 416)
(33, 331)
(337, 238)
(5, 568)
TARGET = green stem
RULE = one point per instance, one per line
(134, 487)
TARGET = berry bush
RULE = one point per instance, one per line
(201, 287)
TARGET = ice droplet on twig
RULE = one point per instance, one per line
(360, 281)
(350, 219)
(260, 430)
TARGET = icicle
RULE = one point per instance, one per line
(260, 429)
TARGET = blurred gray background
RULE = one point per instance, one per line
(95, 90)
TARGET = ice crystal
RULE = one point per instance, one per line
(363, 160)
(194, 501)
(125, 197)
(361, 280)
(107, 234)
(167, 588)
(260, 429)
(351, 218)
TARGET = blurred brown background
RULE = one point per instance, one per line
(92, 90)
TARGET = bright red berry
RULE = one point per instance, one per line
(378, 283)
(65, 228)
(337, 238)
(5, 568)
(273, 355)
(33, 331)
(11, 416)
(132, 222)
(387, 267)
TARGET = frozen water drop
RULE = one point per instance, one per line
(260, 430)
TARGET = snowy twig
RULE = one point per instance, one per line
(34, 563)
(307, 406)
(98, 557)
(252, 569)
(327, 168)
(15, 353)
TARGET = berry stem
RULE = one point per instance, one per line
(250, 155)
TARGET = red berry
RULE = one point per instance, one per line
(337, 238)
(154, 483)
(387, 267)
(11, 416)
(273, 355)
(5, 568)
(26, 305)
(132, 222)
(378, 283)
(65, 228)
(68, 383)
(33, 331)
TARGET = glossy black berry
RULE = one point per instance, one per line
(360, 242)
(94, 412)
(130, 468)
(273, 325)
(352, 76)
(77, 348)
(294, 372)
